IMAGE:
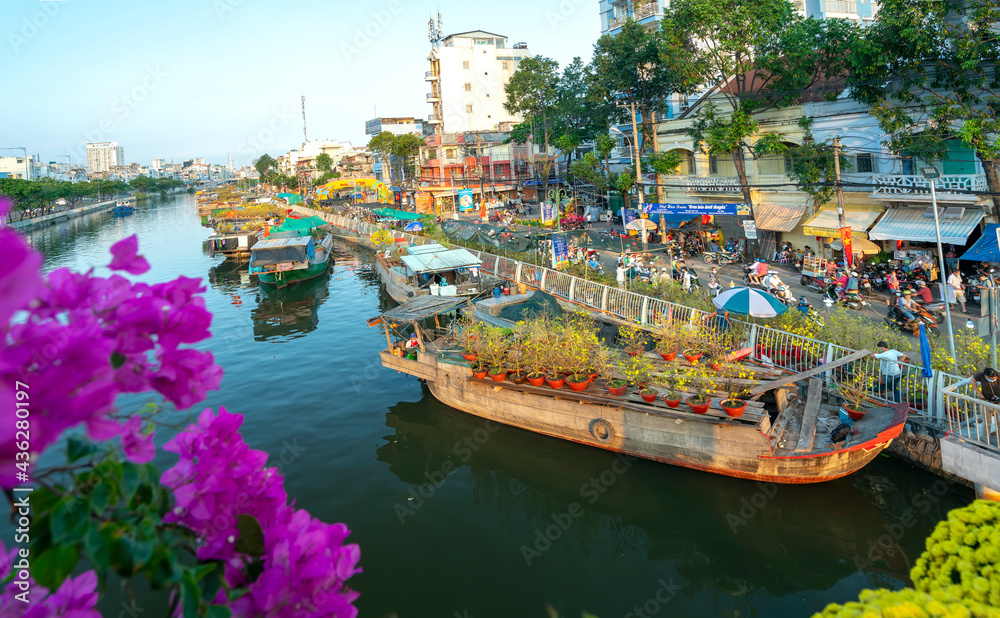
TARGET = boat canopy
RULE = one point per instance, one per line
(299, 225)
(418, 308)
(278, 250)
(440, 261)
(392, 213)
(422, 249)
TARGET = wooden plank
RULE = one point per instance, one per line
(755, 393)
(810, 415)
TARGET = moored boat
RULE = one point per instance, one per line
(122, 207)
(431, 269)
(792, 446)
(285, 260)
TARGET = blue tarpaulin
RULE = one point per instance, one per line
(985, 249)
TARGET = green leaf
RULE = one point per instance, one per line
(251, 539)
(98, 543)
(69, 521)
(78, 447)
(132, 477)
(210, 579)
(190, 596)
(52, 567)
(217, 611)
(100, 496)
(254, 569)
(117, 360)
(162, 569)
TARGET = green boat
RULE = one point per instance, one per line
(287, 260)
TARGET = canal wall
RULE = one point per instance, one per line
(920, 445)
(59, 217)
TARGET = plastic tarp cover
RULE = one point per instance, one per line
(268, 252)
(299, 225)
(490, 235)
(985, 249)
(539, 303)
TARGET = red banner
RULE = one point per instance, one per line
(845, 237)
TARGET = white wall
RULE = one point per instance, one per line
(486, 77)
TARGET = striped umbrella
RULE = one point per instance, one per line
(748, 301)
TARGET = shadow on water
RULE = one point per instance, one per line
(289, 312)
(729, 545)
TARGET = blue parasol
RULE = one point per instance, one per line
(416, 226)
(925, 352)
(747, 301)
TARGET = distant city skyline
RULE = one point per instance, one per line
(226, 76)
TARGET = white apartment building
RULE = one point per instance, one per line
(16, 167)
(396, 126)
(102, 156)
(468, 73)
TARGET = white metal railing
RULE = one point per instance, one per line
(840, 6)
(713, 184)
(642, 11)
(944, 397)
(895, 185)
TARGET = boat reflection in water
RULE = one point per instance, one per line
(729, 545)
(289, 312)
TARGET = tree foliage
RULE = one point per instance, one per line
(928, 71)
(532, 92)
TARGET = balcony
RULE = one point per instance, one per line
(647, 10)
(912, 188)
(431, 76)
(713, 185)
(433, 97)
(840, 6)
(434, 118)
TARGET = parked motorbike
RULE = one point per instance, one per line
(723, 258)
(817, 284)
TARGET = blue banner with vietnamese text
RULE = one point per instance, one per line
(697, 209)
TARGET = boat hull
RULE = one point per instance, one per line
(291, 277)
(395, 284)
(678, 438)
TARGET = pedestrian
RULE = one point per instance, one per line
(889, 369)
(989, 388)
(714, 283)
(620, 275)
(892, 281)
(956, 291)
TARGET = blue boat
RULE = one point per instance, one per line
(122, 208)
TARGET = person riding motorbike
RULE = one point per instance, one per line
(759, 271)
(906, 309)
(804, 305)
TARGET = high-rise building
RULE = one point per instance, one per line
(468, 73)
(102, 156)
(158, 164)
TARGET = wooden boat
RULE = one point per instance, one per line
(235, 246)
(429, 270)
(285, 260)
(122, 207)
(793, 446)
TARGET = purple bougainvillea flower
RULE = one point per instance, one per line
(20, 280)
(125, 256)
(138, 448)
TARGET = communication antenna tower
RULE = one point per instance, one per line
(434, 31)
(304, 137)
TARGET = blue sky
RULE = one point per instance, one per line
(185, 78)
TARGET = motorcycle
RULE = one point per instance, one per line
(853, 300)
(894, 319)
(806, 308)
(723, 258)
(782, 293)
(816, 284)
(695, 285)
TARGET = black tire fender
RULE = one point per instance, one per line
(601, 430)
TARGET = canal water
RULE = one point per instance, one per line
(456, 517)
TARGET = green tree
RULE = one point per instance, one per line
(264, 164)
(813, 164)
(588, 169)
(758, 56)
(532, 92)
(928, 71)
(323, 162)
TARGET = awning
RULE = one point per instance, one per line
(778, 217)
(911, 224)
(444, 260)
(985, 249)
(826, 223)
(418, 308)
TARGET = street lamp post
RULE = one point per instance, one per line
(633, 145)
(931, 173)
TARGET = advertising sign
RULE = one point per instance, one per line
(560, 249)
(465, 199)
(548, 212)
(750, 229)
(696, 209)
(628, 215)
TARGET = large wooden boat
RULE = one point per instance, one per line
(792, 445)
(431, 269)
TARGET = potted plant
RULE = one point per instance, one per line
(854, 389)
(632, 338)
(494, 351)
(668, 339)
(735, 380)
(673, 383)
(578, 343)
(700, 401)
(535, 347)
(638, 370)
(605, 362)
(716, 344)
(466, 333)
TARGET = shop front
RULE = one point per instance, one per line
(824, 226)
(910, 234)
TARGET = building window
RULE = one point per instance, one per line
(906, 166)
(865, 163)
(468, 109)
(468, 87)
(449, 153)
(789, 164)
(505, 65)
(690, 163)
(486, 72)
(465, 64)
(713, 164)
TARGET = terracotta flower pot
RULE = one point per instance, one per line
(668, 356)
(499, 377)
(536, 380)
(673, 403)
(648, 395)
(856, 415)
(692, 357)
(698, 408)
(470, 357)
(518, 378)
(734, 407)
(591, 374)
(480, 372)
(617, 391)
(633, 352)
(715, 366)
(555, 383)
(578, 386)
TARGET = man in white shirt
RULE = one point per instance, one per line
(955, 281)
(890, 369)
(620, 275)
